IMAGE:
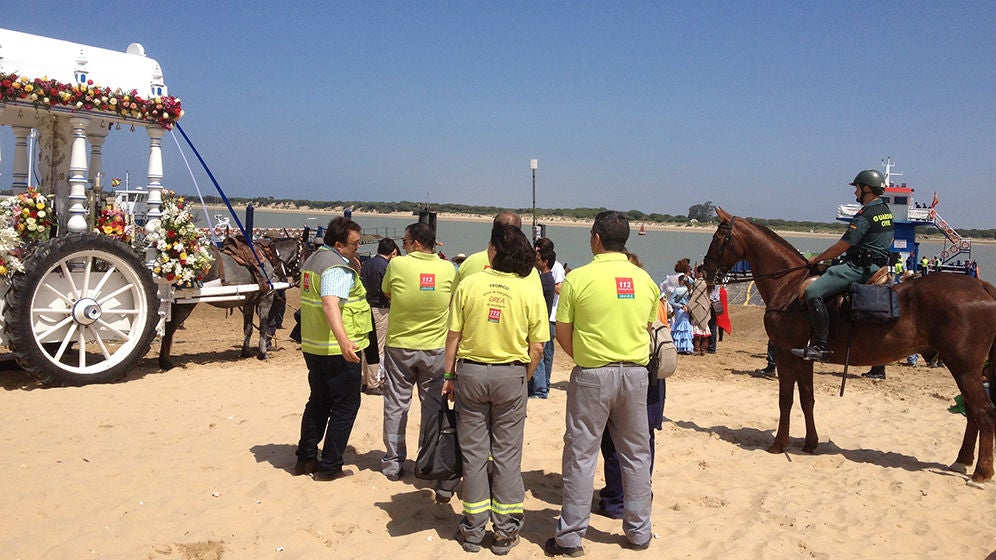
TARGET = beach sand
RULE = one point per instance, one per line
(194, 464)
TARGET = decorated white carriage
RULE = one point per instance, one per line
(82, 306)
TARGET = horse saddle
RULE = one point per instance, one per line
(238, 248)
(882, 277)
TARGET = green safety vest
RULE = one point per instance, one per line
(316, 336)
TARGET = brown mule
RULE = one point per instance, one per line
(949, 315)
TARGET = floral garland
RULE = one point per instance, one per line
(163, 110)
(25, 220)
(10, 247)
(31, 215)
(183, 256)
(111, 222)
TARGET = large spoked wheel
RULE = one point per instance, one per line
(84, 311)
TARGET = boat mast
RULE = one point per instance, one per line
(888, 164)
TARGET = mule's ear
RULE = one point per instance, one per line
(724, 216)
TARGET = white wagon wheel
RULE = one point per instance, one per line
(84, 311)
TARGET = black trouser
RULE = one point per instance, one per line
(331, 409)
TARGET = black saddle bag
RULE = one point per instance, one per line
(873, 304)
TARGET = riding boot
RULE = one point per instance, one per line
(820, 319)
(876, 372)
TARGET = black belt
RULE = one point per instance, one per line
(506, 364)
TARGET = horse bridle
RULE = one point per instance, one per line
(720, 272)
(290, 274)
(727, 241)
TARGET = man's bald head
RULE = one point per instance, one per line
(509, 218)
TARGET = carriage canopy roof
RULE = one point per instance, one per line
(37, 57)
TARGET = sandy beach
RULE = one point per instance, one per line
(194, 464)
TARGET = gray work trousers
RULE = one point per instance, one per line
(613, 397)
(491, 417)
(403, 369)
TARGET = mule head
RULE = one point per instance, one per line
(723, 252)
(290, 255)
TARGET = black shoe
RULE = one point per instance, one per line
(768, 371)
(305, 467)
(326, 476)
(874, 373)
(633, 546)
(610, 514)
(551, 548)
(394, 476)
(500, 546)
(814, 353)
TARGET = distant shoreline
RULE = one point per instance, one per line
(548, 220)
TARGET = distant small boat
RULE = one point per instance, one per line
(643, 229)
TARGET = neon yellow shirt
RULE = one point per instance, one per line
(479, 262)
(609, 302)
(419, 285)
(498, 314)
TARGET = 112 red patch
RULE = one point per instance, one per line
(624, 288)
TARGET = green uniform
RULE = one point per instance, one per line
(870, 235)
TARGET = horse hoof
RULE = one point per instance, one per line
(973, 484)
(165, 366)
(961, 468)
(262, 357)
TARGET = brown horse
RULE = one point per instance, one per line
(288, 252)
(947, 314)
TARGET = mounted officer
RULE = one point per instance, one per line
(866, 244)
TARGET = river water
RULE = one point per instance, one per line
(658, 250)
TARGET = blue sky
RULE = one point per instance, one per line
(768, 109)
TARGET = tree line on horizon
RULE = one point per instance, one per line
(703, 213)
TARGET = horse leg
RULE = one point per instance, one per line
(178, 314)
(979, 422)
(247, 316)
(966, 453)
(807, 400)
(787, 371)
(263, 308)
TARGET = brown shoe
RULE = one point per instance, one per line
(305, 467)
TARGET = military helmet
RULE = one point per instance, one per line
(870, 178)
